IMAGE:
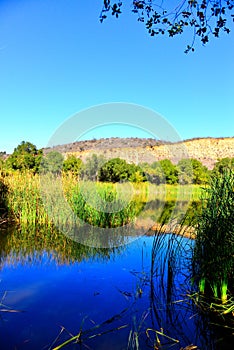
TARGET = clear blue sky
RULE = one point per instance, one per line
(57, 59)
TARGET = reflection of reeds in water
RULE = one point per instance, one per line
(162, 325)
(172, 306)
(29, 245)
(170, 259)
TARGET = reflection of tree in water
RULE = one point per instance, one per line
(37, 244)
(164, 211)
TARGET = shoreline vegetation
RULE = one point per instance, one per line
(187, 199)
(21, 197)
(23, 180)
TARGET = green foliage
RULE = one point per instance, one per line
(91, 167)
(25, 157)
(52, 163)
(204, 18)
(192, 171)
(221, 166)
(214, 246)
(187, 171)
(2, 165)
(103, 206)
(200, 172)
(170, 171)
(72, 165)
(2, 154)
(153, 172)
(114, 170)
(118, 170)
(27, 198)
(25, 148)
(3, 197)
(137, 176)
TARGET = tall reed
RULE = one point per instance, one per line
(99, 204)
(213, 259)
(24, 200)
(36, 199)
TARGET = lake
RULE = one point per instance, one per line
(134, 296)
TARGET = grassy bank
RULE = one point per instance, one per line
(31, 200)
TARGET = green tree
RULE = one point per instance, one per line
(200, 172)
(26, 156)
(137, 176)
(2, 154)
(153, 172)
(25, 148)
(192, 171)
(204, 18)
(72, 165)
(118, 170)
(185, 171)
(114, 170)
(52, 163)
(221, 166)
(170, 171)
(91, 167)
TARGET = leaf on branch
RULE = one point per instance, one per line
(206, 18)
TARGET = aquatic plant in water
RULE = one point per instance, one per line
(213, 256)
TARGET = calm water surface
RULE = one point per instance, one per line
(59, 287)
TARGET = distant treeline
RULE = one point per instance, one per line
(26, 157)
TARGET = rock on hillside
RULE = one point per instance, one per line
(207, 150)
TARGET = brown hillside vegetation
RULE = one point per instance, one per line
(207, 150)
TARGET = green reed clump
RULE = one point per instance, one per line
(102, 205)
(49, 199)
(52, 199)
(213, 258)
(23, 198)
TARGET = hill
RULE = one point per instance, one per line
(207, 150)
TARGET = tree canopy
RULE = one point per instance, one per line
(206, 18)
(91, 167)
(170, 171)
(118, 170)
(192, 171)
(222, 165)
(26, 156)
(73, 165)
(153, 172)
(52, 162)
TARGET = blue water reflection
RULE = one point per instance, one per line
(118, 298)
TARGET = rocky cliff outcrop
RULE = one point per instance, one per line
(207, 150)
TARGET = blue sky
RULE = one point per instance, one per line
(57, 59)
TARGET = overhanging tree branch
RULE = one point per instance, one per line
(206, 18)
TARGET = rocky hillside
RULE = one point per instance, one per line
(207, 150)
